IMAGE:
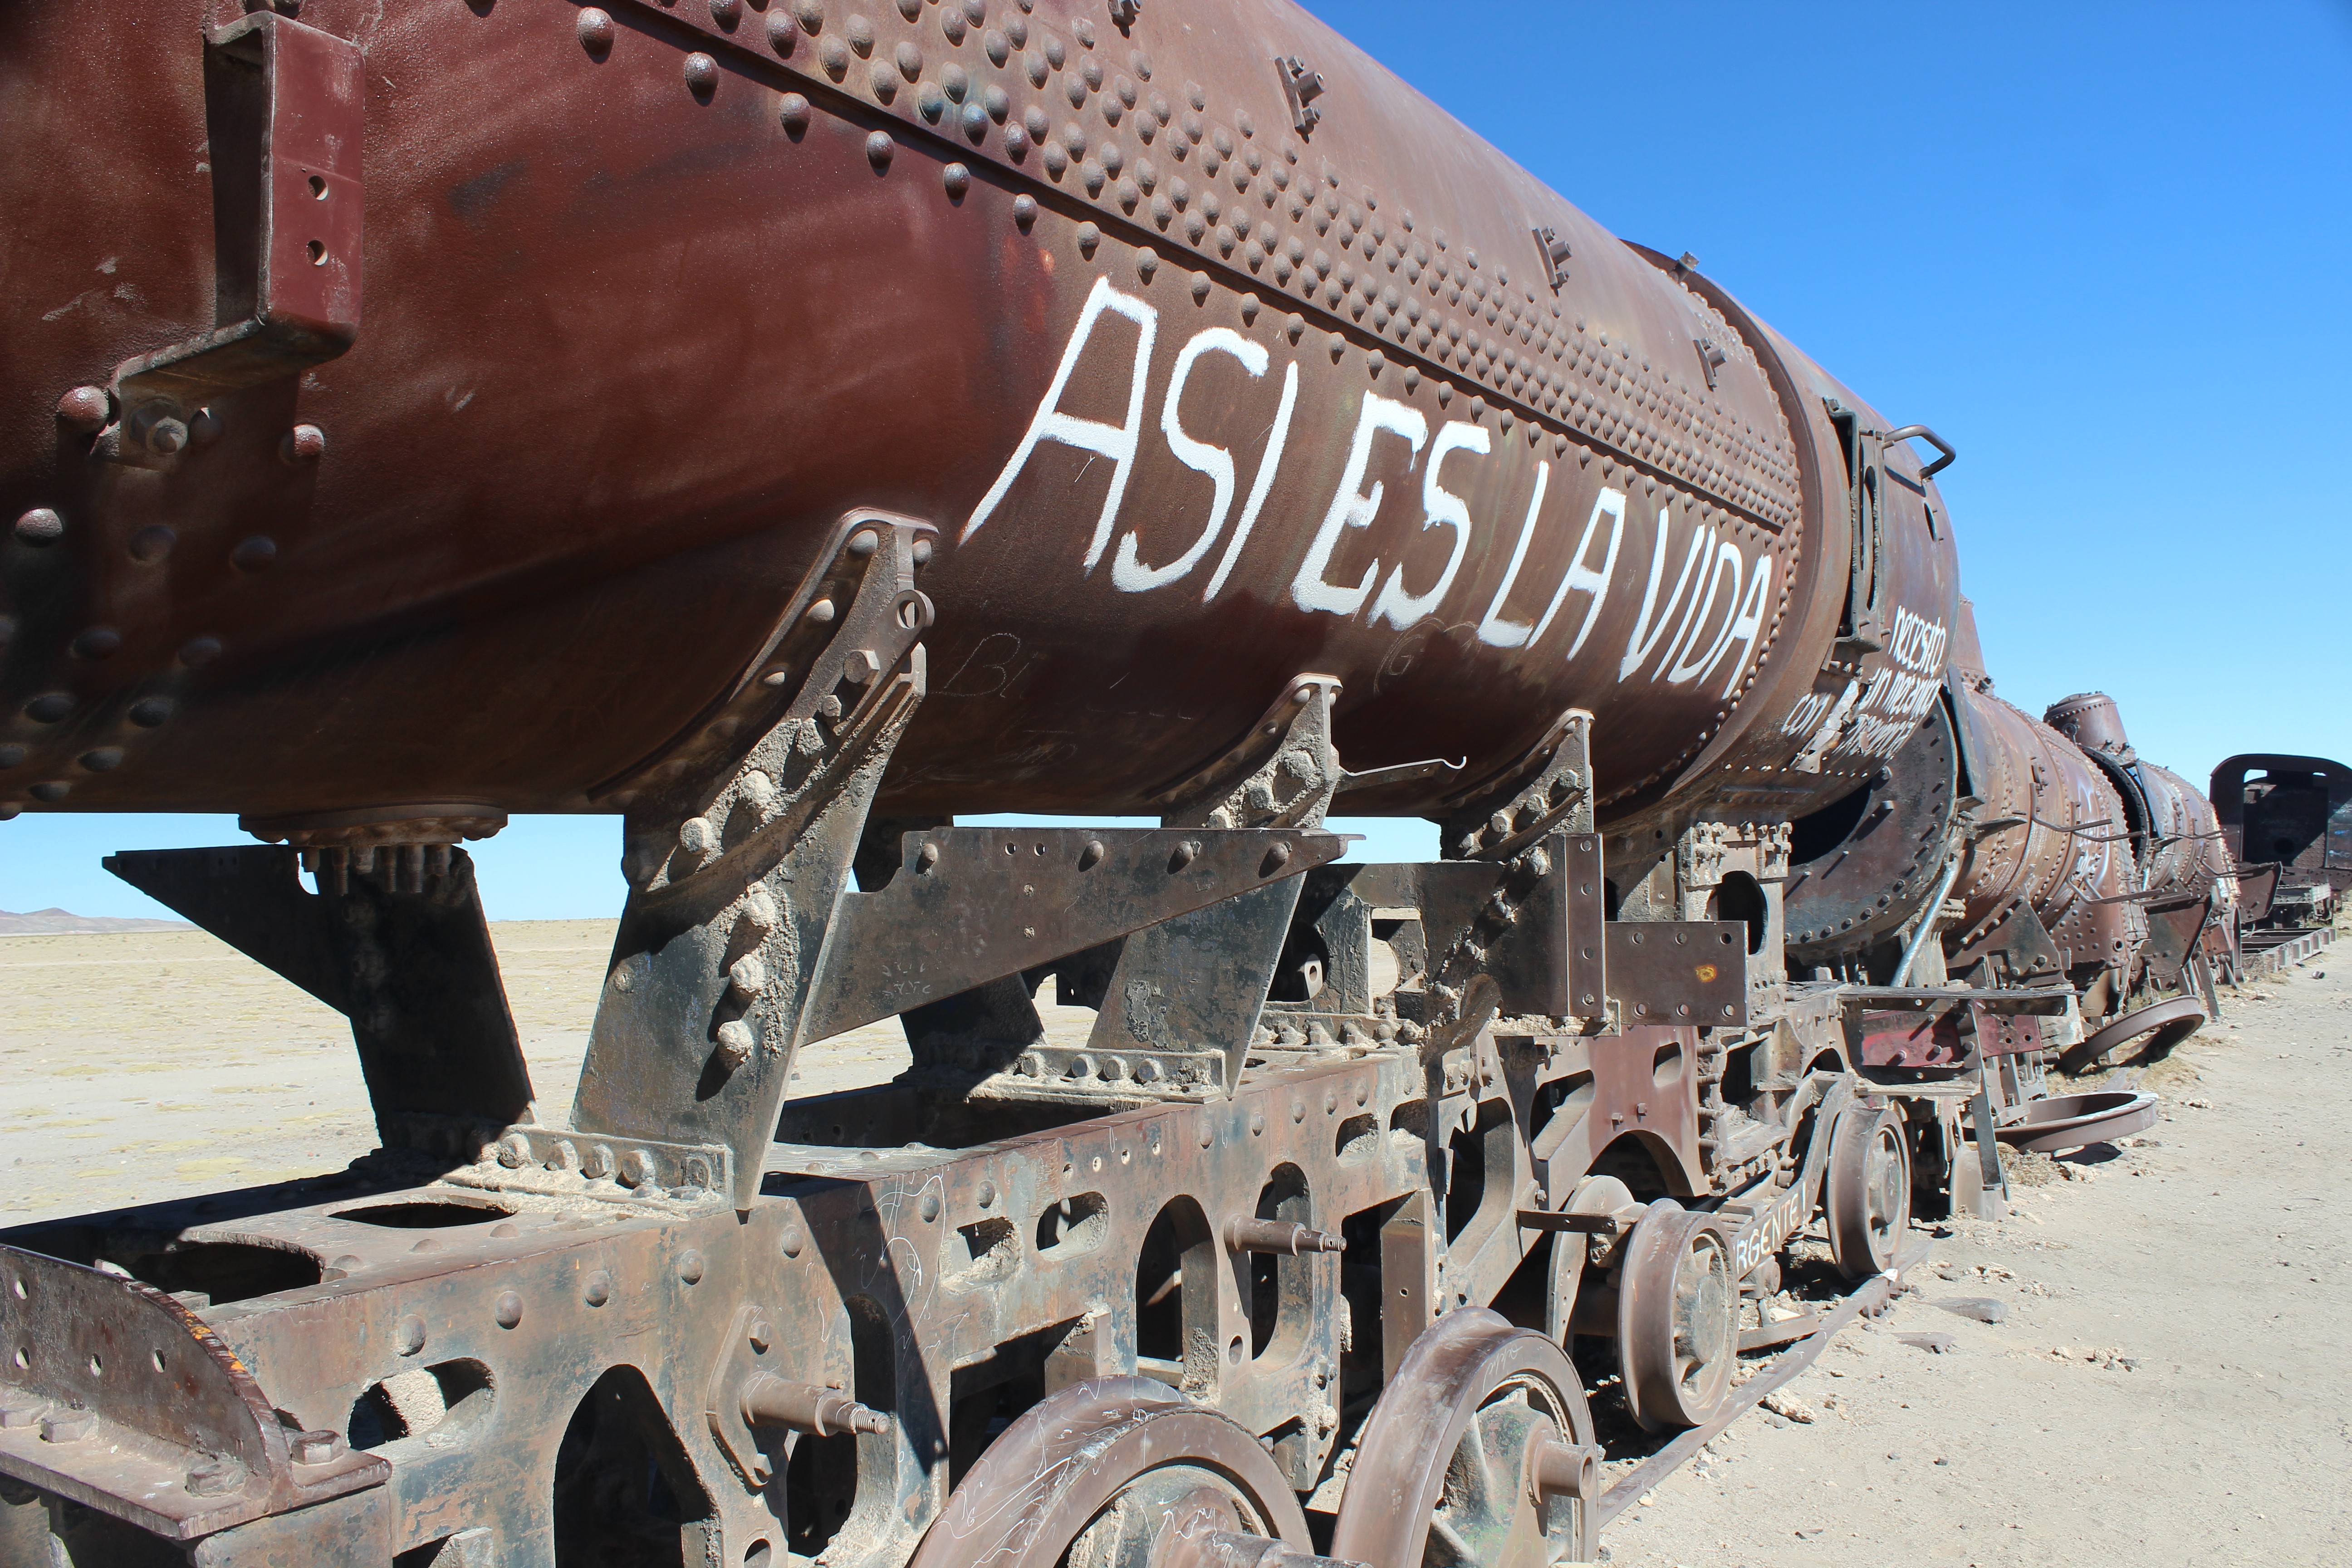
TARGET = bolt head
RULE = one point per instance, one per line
(211, 1476)
(735, 1042)
(19, 1415)
(85, 409)
(861, 666)
(40, 527)
(319, 1447)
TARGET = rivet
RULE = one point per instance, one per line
(690, 1265)
(152, 544)
(303, 443)
(253, 554)
(793, 1239)
(408, 1334)
(812, 16)
(861, 36)
(794, 113)
(104, 760)
(958, 180)
(929, 1206)
(1024, 211)
(41, 526)
(1146, 264)
(50, 707)
(96, 643)
(833, 56)
(11, 756)
(598, 1289)
(200, 651)
(86, 408)
(1089, 236)
(910, 61)
(987, 1194)
(822, 612)
(51, 791)
(506, 1310)
(880, 150)
(595, 31)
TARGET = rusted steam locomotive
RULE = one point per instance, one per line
(786, 427)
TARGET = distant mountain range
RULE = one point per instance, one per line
(60, 923)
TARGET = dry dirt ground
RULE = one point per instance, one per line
(2172, 1382)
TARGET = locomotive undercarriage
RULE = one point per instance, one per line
(1353, 1155)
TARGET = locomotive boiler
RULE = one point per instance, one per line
(786, 427)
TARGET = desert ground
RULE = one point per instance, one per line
(2170, 1383)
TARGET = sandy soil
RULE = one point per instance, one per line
(145, 1065)
(2170, 1386)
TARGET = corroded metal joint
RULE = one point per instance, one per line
(1559, 1468)
(770, 1401)
(1282, 1237)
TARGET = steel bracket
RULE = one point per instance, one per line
(1200, 981)
(285, 113)
(408, 959)
(118, 1398)
(555, 1162)
(737, 855)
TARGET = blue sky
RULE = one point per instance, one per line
(2105, 249)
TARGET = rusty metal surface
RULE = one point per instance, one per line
(2162, 1024)
(787, 428)
(2294, 811)
(2051, 839)
(945, 259)
(1455, 1454)
(2067, 1121)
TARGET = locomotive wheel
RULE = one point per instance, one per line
(1868, 1194)
(1677, 1318)
(1480, 1452)
(1119, 1472)
(2167, 1024)
(1593, 1195)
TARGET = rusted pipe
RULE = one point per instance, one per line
(1927, 913)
